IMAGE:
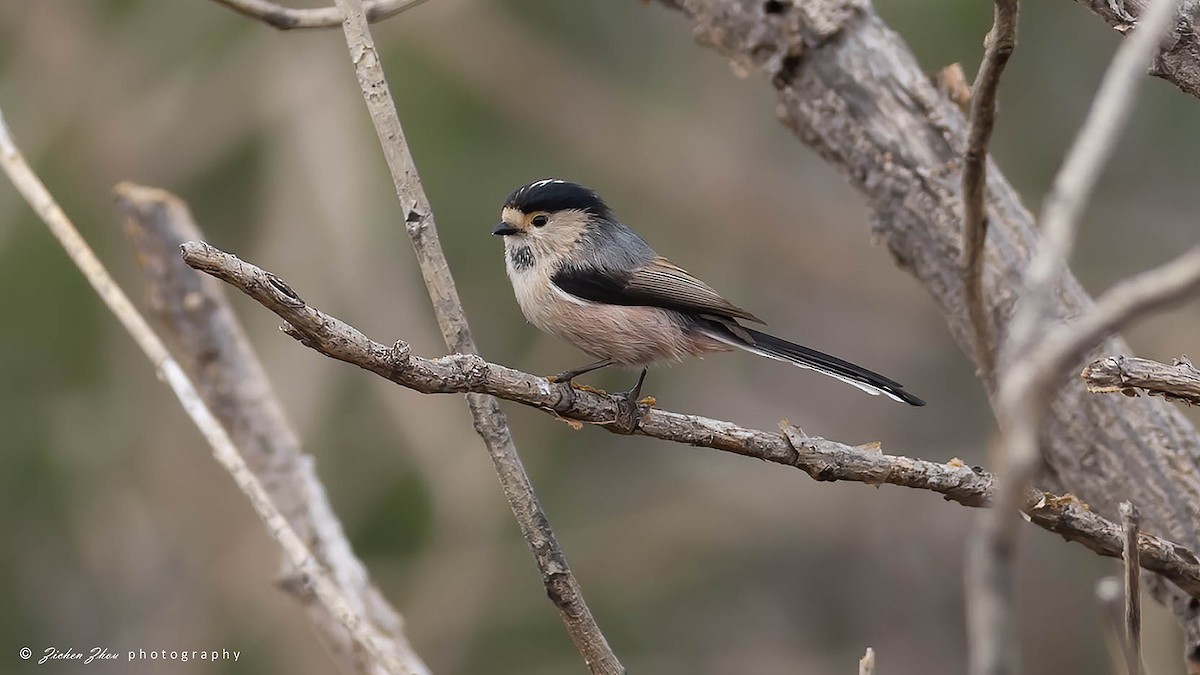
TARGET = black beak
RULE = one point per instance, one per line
(504, 229)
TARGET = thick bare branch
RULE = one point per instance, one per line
(288, 18)
(851, 89)
(490, 422)
(1177, 60)
(1030, 380)
(999, 45)
(821, 459)
(226, 453)
(1130, 522)
(205, 336)
(1179, 381)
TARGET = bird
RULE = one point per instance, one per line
(582, 275)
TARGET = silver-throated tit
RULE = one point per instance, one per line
(582, 275)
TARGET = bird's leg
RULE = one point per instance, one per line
(568, 375)
(636, 392)
(629, 415)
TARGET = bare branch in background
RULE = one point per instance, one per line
(866, 665)
(821, 459)
(1178, 57)
(998, 47)
(1179, 381)
(1061, 346)
(1130, 522)
(226, 453)
(1034, 365)
(808, 52)
(289, 18)
(490, 422)
(205, 336)
(1075, 180)
(1109, 598)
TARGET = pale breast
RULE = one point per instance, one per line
(630, 335)
(633, 336)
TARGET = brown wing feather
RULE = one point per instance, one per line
(673, 285)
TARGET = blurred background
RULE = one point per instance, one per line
(121, 531)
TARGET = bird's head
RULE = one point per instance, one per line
(550, 214)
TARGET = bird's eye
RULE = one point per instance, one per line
(540, 220)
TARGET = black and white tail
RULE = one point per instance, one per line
(770, 346)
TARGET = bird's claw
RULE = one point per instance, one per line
(629, 414)
(558, 379)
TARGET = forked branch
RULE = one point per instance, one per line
(1034, 366)
(899, 141)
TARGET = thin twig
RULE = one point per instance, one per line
(1108, 595)
(821, 459)
(1179, 381)
(206, 337)
(1024, 391)
(1131, 520)
(490, 422)
(224, 450)
(999, 45)
(1063, 345)
(289, 18)
(866, 665)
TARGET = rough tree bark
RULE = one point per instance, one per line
(1179, 381)
(1178, 60)
(851, 89)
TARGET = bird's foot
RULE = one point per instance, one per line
(629, 411)
(629, 414)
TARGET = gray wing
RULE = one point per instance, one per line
(657, 283)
